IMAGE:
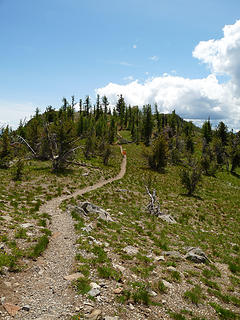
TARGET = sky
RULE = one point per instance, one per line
(180, 54)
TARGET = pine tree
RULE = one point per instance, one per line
(105, 104)
(222, 133)
(5, 150)
(207, 131)
(121, 107)
(158, 154)
(147, 124)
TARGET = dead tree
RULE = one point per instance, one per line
(153, 206)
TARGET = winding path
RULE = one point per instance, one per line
(43, 287)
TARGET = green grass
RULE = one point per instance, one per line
(194, 295)
(82, 285)
(39, 248)
(224, 314)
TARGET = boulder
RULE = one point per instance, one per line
(85, 208)
(196, 255)
(173, 254)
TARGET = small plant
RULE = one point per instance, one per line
(39, 247)
(177, 316)
(176, 276)
(83, 285)
(18, 170)
(108, 272)
(190, 178)
(140, 293)
(8, 261)
(211, 284)
(223, 314)
(160, 287)
(194, 295)
(84, 269)
(234, 267)
(21, 234)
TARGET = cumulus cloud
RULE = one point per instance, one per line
(194, 98)
(223, 55)
(134, 46)
(21, 111)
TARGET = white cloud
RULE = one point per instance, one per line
(129, 78)
(15, 111)
(134, 46)
(222, 55)
(154, 58)
(194, 98)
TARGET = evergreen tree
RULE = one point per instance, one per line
(158, 154)
(147, 124)
(87, 105)
(5, 149)
(158, 118)
(105, 104)
(112, 131)
(222, 133)
(207, 131)
(121, 107)
(98, 111)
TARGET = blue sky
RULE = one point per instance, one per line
(51, 49)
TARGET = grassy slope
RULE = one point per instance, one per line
(210, 220)
(20, 202)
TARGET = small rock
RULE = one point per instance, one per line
(131, 307)
(153, 293)
(170, 268)
(160, 258)
(29, 234)
(118, 290)
(94, 315)
(94, 292)
(73, 276)
(26, 308)
(95, 285)
(164, 301)
(85, 174)
(131, 250)
(2, 300)
(111, 318)
(118, 267)
(120, 213)
(167, 284)
(26, 225)
(12, 309)
(7, 284)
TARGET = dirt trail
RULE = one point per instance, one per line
(42, 287)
